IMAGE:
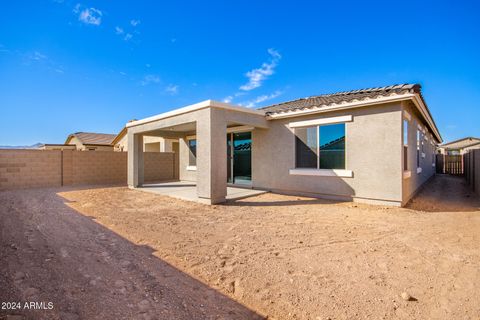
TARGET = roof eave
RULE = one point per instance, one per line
(414, 97)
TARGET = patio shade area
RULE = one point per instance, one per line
(187, 190)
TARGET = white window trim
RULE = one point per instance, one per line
(321, 121)
(407, 115)
(423, 154)
(322, 172)
(419, 170)
(407, 174)
(191, 168)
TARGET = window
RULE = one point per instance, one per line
(332, 146)
(306, 147)
(320, 147)
(405, 145)
(418, 148)
(192, 157)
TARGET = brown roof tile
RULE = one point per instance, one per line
(340, 97)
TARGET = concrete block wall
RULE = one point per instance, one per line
(159, 166)
(30, 168)
(96, 167)
(55, 168)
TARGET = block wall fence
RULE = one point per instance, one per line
(55, 168)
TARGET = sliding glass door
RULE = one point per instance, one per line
(239, 158)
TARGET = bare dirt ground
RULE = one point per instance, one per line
(115, 253)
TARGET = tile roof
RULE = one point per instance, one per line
(461, 143)
(94, 138)
(340, 97)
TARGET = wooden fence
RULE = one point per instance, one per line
(450, 164)
(471, 163)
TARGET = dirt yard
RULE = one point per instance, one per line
(115, 253)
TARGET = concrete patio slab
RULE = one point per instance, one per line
(187, 190)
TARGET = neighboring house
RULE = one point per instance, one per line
(460, 146)
(89, 141)
(373, 145)
(51, 146)
(151, 143)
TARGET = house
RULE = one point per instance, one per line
(89, 141)
(150, 143)
(460, 146)
(372, 145)
(52, 146)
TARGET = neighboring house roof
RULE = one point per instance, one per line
(92, 138)
(350, 99)
(461, 143)
(334, 145)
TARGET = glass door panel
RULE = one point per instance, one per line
(242, 158)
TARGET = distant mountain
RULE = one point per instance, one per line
(34, 146)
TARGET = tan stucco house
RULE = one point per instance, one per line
(372, 145)
(460, 146)
(90, 141)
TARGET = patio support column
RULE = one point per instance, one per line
(135, 160)
(212, 156)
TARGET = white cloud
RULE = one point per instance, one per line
(134, 22)
(150, 78)
(76, 9)
(37, 56)
(253, 103)
(257, 76)
(128, 36)
(119, 30)
(90, 16)
(172, 89)
(148, 65)
(228, 99)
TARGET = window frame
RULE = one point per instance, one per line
(192, 166)
(406, 127)
(318, 152)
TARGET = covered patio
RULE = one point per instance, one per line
(202, 167)
(187, 190)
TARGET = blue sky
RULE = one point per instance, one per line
(68, 66)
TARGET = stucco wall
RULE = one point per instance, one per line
(185, 173)
(412, 184)
(53, 168)
(373, 153)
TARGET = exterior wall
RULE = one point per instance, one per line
(414, 180)
(151, 147)
(151, 144)
(74, 140)
(89, 147)
(373, 153)
(122, 144)
(54, 168)
(185, 173)
(57, 147)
